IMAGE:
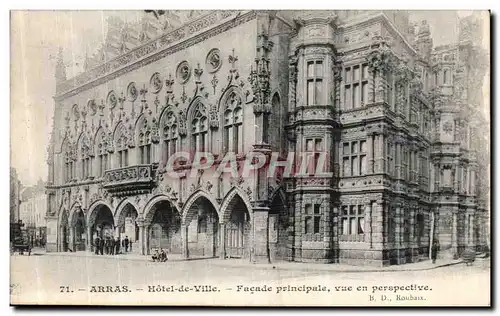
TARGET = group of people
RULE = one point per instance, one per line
(159, 256)
(110, 246)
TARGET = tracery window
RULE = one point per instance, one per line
(199, 129)
(85, 158)
(170, 136)
(69, 166)
(144, 143)
(102, 153)
(121, 144)
(233, 124)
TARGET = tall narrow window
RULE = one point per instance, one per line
(312, 218)
(315, 89)
(446, 76)
(121, 142)
(199, 129)
(102, 153)
(314, 147)
(170, 136)
(85, 158)
(356, 86)
(233, 124)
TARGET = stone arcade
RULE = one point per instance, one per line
(399, 117)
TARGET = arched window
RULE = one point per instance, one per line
(233, 124)
(170, 135)
(144, 142)
(101, 152)
(85, 157)
(121, 141)
(199, 128)
(69, 167)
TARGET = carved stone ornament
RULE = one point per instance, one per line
(132, 92)
(156, 83)
(92, 106)
(76, 112)
(112, 100)
(380, 60)
(213, 61)
(183, 72)
(448, 127)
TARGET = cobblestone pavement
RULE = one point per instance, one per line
(75, 279)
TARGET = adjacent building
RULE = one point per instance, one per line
(15, 199)
(401, 121)
(33, 209)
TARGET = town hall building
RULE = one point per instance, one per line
(401, 121)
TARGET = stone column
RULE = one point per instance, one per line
(377, 229)
(222, 241)
(454, 236)
(90, 240)
(184, 240)
(379, 160)
(260, 235)
(369, 143)
(117, 231)
(147, 251)
(71, 231)
(368, 224)
(141, 237)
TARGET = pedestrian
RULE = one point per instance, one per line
(106, 245)
(117, 246)
(126, 241)
(435, 249)
(130, 244)
(97, 244)
(101, 246)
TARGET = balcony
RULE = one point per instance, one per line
(130, 180)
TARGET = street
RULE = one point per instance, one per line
(58, 279)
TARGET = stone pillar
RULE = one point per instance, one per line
(147, 251)
(117, 231)
(454, 236)
(379, 162)
(141, 237)
(260, 235)
(71, 231)
(222, 241)
(377, 232)
(398, 160)
(369, 143)
(368, 224)
(184, 240)
(90, 240)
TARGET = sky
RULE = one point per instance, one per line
(35, 39)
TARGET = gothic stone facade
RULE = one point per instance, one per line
(398, 118)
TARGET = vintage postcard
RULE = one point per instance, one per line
(250, 158)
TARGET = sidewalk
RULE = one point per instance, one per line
(279, 265)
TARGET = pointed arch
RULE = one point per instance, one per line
(229, 199)
(148, 210)
(121, 141)
(199, 194)
(119, 213)
(94, 209)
